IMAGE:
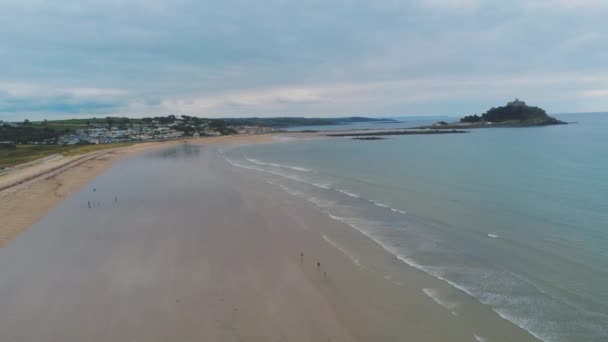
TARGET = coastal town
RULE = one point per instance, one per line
(25, 141)
(118, 130)
(171, 127)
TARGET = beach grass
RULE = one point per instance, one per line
(26, 153)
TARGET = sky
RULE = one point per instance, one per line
(321, 58)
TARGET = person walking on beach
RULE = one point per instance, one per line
(318, 264)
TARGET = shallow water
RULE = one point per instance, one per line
(514, 217)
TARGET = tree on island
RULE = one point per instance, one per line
(516, 111)
(471, 118)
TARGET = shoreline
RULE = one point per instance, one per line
(30, 190)
(369, 254)
(231, 269)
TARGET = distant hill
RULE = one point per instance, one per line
(281, 122)
(514, 113)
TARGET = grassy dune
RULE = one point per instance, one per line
(26, 153)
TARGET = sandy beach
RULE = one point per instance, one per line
(182, 246)
(30, 190)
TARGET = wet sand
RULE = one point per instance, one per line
(30, 190)
(193, 249)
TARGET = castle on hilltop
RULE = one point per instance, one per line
(516, 103)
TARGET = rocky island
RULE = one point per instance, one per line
(514, 114)
(374, 134)
(369, 138)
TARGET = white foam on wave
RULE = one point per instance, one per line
(347, 193)
(237, 164)
(326, 186)
(290, 191)
(437, 272)
(296, 178)
(382, 205)
(337, 218)
(386, 206)
(284, 166)
(342, 249)
(435, 295)
(480, 338)
(520, 322)
(321, 203)
(347, 222)
(433, 271)
(288, 176)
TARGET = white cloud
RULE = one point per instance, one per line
(369, 97)
(452, 4)
(567, 4)
(300, 57)
(594, 93)
(93, 92)
(26, 89)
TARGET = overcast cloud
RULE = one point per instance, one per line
(299, 58)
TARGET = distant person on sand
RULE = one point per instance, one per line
(318, 264)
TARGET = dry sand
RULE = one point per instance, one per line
(29, 191)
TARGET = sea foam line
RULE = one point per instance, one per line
(297, 168)
(288, 176)
(427, 269)
(290, 191)
(347, 193)
(326, 186)
(386, 206)
(342, 249)
(436, 296)
(480, 338)
(400, 256)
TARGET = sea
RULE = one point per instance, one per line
(515, 217)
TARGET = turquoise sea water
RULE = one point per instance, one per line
(517, 218)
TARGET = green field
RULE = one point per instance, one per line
(25, 153)
(75, 124)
